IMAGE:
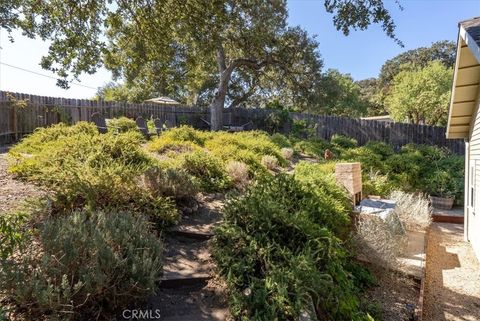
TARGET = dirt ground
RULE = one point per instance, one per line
(13, 192)
(452, 288)
(396, 294)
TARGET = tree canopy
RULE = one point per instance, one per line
(221, 51)
(421, 96)
(443, 51)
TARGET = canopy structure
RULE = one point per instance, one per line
(163, 101)
(466, 81)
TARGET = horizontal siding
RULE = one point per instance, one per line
(475, 136)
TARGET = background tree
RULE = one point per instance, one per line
(443, 51)
(340, 95)
(421, 96)
(369, 93)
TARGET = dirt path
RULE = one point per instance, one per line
(452, 288)
(13, 192)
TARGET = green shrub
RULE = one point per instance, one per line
(331, 197)
(281, 140)
(186, 134)
(277, 249)
(380, 148)
(368, 158)
(165, 144)
(12, 232)
(122, 124)
(97, 171)
(84, 266)
(343, 141)
(374, 183)
(43, 136)
(208, 169)
(314, 147)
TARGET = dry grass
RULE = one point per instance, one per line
(287, 153)
(270, 162)
(238, 171)
(413, 210)
(380, 241)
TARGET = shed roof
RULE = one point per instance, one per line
(466, 79)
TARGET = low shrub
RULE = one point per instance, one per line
(165, 144)
(413, 210)
(41, 137)
(84, 265)
(378, 240)
(270, 162)
(374, 183)
(208, 170)
(287, 153)
(238, 172)
(343, 141)
(281, 140)
(93, 170)
(170, 182)
(186, 134)
(122, 124)
(314, 147)
(277, 250)
(331, 197)
(12, 232)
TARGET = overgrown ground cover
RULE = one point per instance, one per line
(285, 242)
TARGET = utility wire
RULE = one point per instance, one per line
(43, 75)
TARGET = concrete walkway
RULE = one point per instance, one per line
(452, 288)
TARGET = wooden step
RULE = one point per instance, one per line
(186, 262)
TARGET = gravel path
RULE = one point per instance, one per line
(12, 191)
(452, 288)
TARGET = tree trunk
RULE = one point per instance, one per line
(217, 105)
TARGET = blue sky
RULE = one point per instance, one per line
(361, 54)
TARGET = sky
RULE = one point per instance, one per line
(360, 54)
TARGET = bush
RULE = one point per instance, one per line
(85, 265)
(374, 183)
(314, 147)
(270, 162)
(12, 232)
(276, 248)
(281, 140)
(287, 153)
(413, 210)
(93, 170)
(343, 141)
(186, 134)
(122, 124)
(41, 137)
(170, 182)
(209, 171)
(380, 241)
(238, 172)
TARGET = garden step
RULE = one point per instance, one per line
(198, 225)
(201, 302)
(186, 262)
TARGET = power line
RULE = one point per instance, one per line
(43, 75)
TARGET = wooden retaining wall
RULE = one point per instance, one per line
(30, 111)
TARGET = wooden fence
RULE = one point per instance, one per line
(20, 114)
